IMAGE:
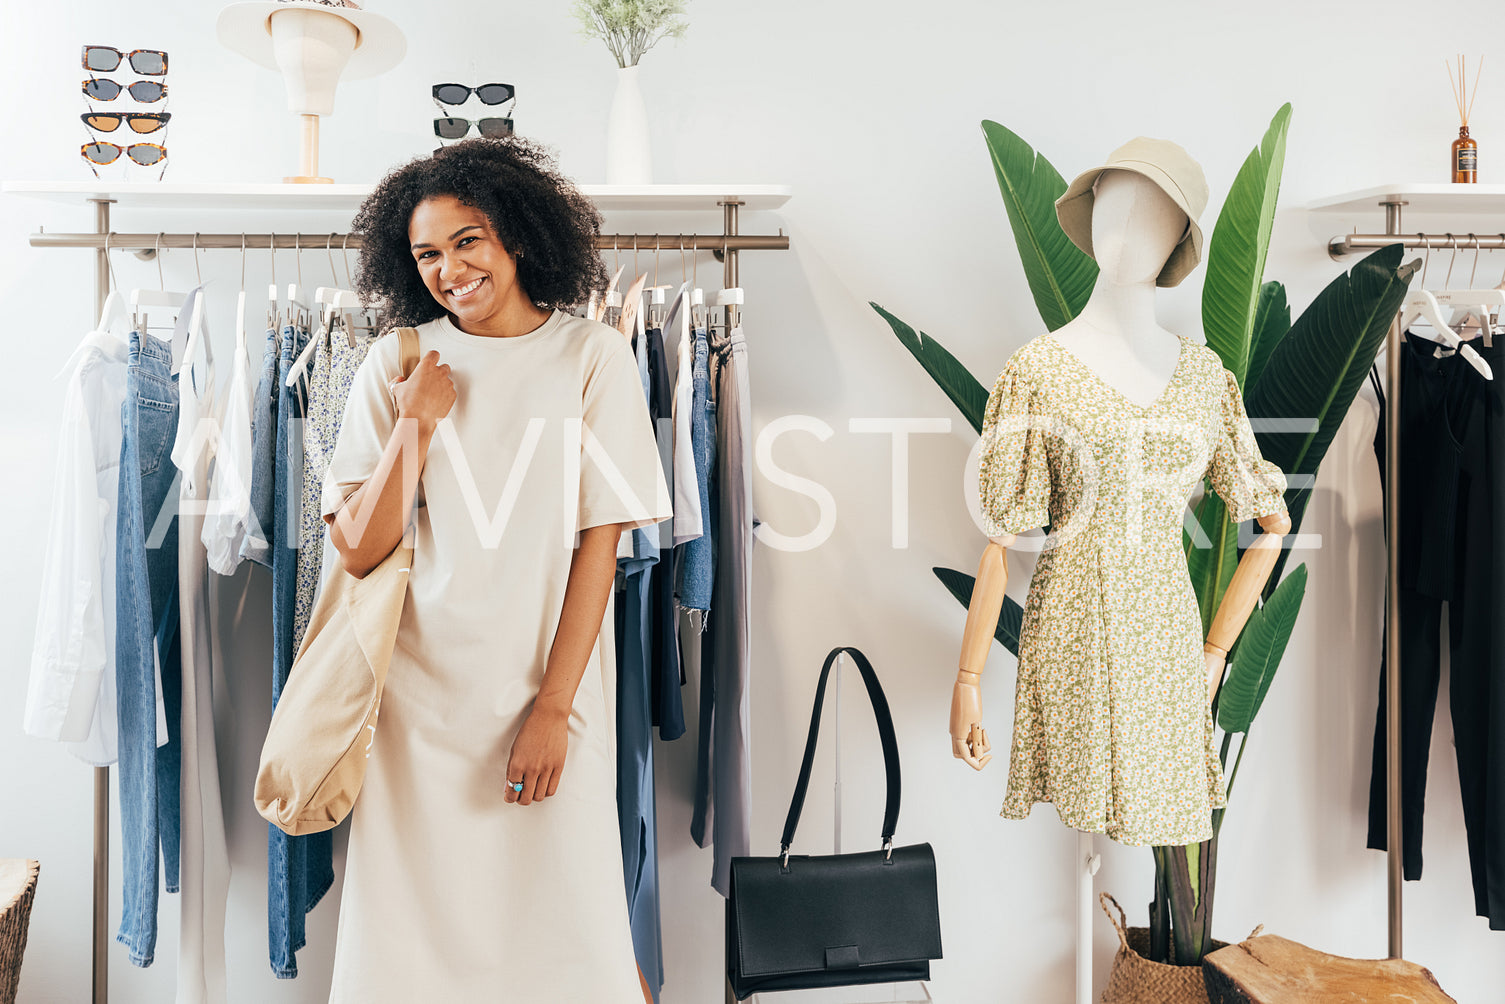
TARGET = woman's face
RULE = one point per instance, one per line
(462, 262)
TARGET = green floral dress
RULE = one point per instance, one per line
(1111, 720)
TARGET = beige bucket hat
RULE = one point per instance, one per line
(1168, 166)
(246, 28)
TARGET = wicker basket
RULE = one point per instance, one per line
(1137, 980)
(18, 886)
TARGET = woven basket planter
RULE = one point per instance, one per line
(15, 916)
(1136, 980)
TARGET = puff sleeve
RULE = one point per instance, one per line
(1013, 468)
(1249, 485)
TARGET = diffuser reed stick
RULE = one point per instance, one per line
(1465, 149)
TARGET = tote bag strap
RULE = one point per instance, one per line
(407, 350)
(407, 360)
(885, 736)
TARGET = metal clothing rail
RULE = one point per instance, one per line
(719, 244)
(1351, 244)
(726, 246)
(1355, 243)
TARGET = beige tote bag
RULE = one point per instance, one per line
(314, 757)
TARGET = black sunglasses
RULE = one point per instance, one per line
(453, 128)
(146, 91)
(141, 122)
(105, 58)
(458, 94)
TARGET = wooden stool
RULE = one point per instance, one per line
(1271, 970)
(18, 885)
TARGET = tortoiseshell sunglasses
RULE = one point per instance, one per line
(148, 92)
(105, 58)
(141, 122)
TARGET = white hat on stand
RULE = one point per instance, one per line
(247, 29)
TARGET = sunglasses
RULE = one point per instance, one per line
(141, 122)
(458, 94)
(453, 128)
(105, 58)
(145, 91)
(145, 154)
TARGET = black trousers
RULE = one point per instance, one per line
(1452, 550)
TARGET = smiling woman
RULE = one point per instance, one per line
(536, 216)
(484, 861)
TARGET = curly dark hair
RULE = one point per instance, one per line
(533, 208)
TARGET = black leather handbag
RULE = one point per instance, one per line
(796, 922)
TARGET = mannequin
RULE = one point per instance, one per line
(1135, 226)
(1141, 237)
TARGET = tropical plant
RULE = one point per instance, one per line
(1310, 369)
(630, 27)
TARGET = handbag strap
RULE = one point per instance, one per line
(885, 736)
(407, 350)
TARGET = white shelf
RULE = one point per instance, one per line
(345, 198)
(1420, 197)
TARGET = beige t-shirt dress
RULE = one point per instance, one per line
(450, 893)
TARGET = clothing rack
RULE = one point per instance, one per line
(1337, 247)
(726, 246)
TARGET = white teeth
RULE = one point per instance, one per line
(467, 288)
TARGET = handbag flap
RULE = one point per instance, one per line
(840, 911)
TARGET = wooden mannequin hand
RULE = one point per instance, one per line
(538, 753)
(969, 740)
(428, 393)
(1214, 660)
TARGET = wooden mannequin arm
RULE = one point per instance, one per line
(969, 741)
(1238, 601)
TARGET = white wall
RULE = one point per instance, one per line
(871, 112)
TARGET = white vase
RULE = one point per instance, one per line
(628, 160)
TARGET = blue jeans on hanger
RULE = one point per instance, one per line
(697, 557)
(257, 544)
(300, 870)
(146, 619)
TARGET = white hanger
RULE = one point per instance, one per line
(613, 297)
(162, 297)
(274, 307)
(195, 320)
(1422, 303)
(296, 304)
(632, 305)
(240, 305)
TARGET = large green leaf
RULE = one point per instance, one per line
(953, 378)
(1260, 647)
(1212, 555)
(1272, 322)
(1010, 617)
(1236, 252)
(1060, 274)
(1317, 369)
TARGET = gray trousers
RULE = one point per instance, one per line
(723, 776)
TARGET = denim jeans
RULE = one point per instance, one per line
(146, 635)
(300, 870)
(698, 556)
(257, 544)
(723, 775)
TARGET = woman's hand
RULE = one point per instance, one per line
(428, 393)
(537, 758)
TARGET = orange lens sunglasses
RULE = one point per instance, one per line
(141, 122)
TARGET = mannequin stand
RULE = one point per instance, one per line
(1087, 864)
(308, 154)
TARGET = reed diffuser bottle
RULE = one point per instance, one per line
(1465, 148)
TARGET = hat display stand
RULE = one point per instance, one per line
(312, 49)
(313, 45)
